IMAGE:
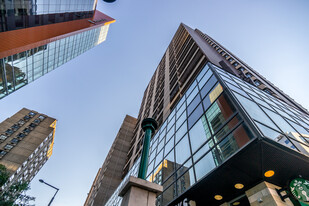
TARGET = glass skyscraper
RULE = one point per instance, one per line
(43, 35)
(226, 135)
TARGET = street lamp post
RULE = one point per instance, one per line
(149, 126)
(52, 199)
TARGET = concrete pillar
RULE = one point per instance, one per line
(139, 192)
(265, 194)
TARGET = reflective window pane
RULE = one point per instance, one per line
(205, 165)
(199, 134)
(219, 112)
(195, 115)
(254, 111)
(182, 150)
(230, 144)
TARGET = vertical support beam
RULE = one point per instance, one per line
(149, 126)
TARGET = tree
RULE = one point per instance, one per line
(14, 194)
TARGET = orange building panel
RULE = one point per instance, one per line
(13, 42)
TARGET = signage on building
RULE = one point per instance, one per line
(300, 189)
(186, 202)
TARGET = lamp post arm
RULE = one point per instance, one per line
(51, 186)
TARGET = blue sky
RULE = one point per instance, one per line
(90, 95)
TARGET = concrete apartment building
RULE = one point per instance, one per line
(36, 37)
(26, 143)
(225, 129)
(109, 175)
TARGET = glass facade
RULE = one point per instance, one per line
(207, 127)
(202, 132)
(274, 118)
(22, 68)
(19, 14)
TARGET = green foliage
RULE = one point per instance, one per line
(4, 175)
(13, 194)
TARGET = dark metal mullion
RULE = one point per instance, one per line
(188, 136)
(32, 56)
(291, 126)
(4, 77)
(215, 133)
(55, 54)
(13, 73)
(43, 61)
(243, 113)
(205, 109)
(217, 143)
(47, 59)
(266, 115)
(26, 55)
(278, 132)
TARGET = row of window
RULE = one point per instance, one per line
(46, 7)
(14, 141)
(237, 65)
(34, 162)
(23, 68)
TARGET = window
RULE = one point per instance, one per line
(241, 69)
(268, 91)
(31, 114)
(257, 82)
(8, 147)
(182, 150)
(254, 111)
(21, 122)
(14, 141)
(235, 64)
(41, 117)
(195, 115)
(2, 153)
(9, 132)
(21, 135)
(26, 131)
(219, 112)
(231, 59)
(32, 125)
(15, 127)
(199, 134)
(205, 165)
(230, 144)
(248, 75)
(3, 137)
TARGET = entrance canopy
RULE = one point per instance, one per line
(248, 167)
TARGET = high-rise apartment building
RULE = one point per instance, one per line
(110, 175)
(26, 143)
(38, 36)
(227, 136)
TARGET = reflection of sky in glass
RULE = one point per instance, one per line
(274, 118)
(34, 63)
